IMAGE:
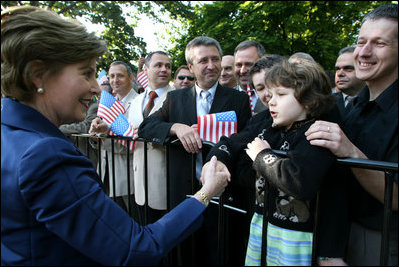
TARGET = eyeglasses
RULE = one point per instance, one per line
(182, 77)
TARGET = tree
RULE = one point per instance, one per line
(320, 28)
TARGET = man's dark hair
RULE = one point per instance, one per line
(128, 68)
(149, 56)
(249, 43)
(265, 62)
(348, 49)
(383, 12)
(179, 68)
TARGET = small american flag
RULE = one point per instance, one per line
(121, 127)
(102, 77)
(211, 127)
(142, 78)
(109, 108)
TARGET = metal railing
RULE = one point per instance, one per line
(389, 169)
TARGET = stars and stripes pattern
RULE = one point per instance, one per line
(109, 108)
(121, 127)
(142, 78)
(211, 127)
(111, 111)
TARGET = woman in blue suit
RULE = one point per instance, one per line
(54, 210)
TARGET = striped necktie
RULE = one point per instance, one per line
(150, 104)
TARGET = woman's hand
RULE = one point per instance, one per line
(214, 180)
(220, 167)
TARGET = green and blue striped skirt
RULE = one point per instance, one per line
(284, 247)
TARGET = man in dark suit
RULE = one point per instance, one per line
(246, 54)
(178, 116)
(345, 79)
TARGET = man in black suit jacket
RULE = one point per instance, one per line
(178, 115)
(345, 79)
(246, 54)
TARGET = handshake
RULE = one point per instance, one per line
(214, 178)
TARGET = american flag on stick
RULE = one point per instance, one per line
(121, 127)
(111, 111)
(211, 127)
(142, 78)
(109, 108)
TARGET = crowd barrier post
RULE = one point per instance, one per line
(387, 216)
(145, 182)
(99, 157)
(129, 204)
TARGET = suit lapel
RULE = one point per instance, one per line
(259, 106)
(137, 110)
(159, 103)
(220, 100)
(340, 103)
(190, 104)
(129, 99)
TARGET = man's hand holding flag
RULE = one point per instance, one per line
(110, 110)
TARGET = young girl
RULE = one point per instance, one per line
(300, 93)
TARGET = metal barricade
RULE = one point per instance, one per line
(388, 167)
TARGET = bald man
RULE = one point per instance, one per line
(227, 77)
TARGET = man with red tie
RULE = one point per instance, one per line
(246, 54)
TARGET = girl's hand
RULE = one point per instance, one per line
(256, 146)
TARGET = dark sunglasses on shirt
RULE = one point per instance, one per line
(182, 77)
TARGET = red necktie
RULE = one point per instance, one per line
(250, 92)
(150, 104)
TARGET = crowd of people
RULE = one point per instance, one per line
(56, 210)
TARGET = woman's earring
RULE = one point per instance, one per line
(40, 90)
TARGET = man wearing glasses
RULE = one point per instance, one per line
(183, 78)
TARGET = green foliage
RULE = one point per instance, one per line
(320, 28)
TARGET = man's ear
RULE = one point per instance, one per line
(36, 70)
(190, 67)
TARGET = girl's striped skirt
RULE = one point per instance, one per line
(284, 247)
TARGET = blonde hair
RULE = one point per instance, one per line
(30, 34)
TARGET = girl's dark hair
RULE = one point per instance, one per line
(310, 82)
